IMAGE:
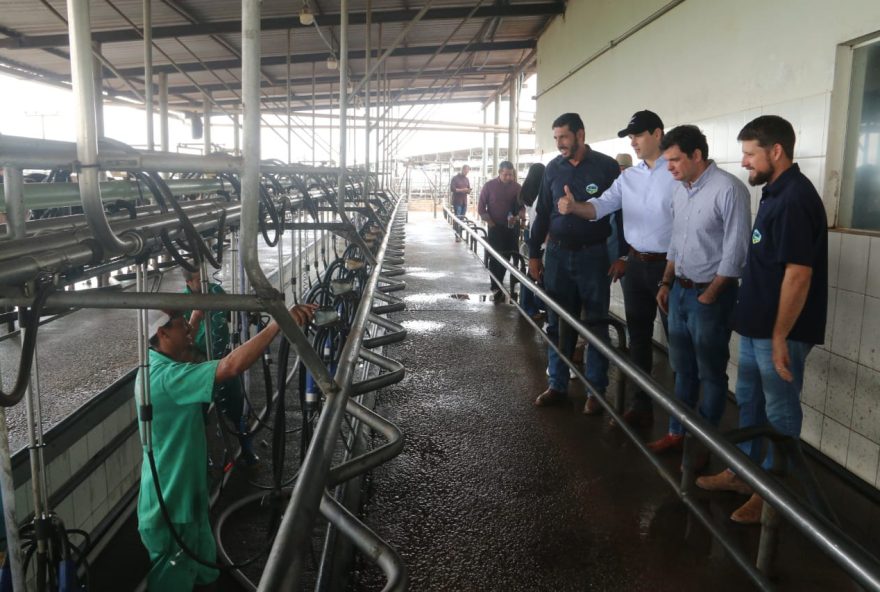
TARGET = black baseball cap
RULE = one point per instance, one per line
(642, 121)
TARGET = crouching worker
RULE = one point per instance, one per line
(178, 389)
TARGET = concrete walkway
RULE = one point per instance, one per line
(492, 493)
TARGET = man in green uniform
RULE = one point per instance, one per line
(178, 389)
(228, 395)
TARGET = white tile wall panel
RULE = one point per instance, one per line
(811, 430)
(812, 129)
(847, 324)
(866, 404)
(862, 457)
(834, 240)
(841, 389)
(816, 379)
(853, 266)
(835, 440)
(869, 348)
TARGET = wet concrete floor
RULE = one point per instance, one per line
(491, 493)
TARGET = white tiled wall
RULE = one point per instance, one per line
(90, 502)
(841, 394)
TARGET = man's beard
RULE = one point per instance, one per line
(760, 178)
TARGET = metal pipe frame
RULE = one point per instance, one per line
(286, 560)
(855, 560)
(148, 71)
(82, 76)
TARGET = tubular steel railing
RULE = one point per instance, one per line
(861, 565)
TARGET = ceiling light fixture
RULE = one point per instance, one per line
(306, 16)
(332, 64)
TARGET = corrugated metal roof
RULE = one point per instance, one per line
(203, 38)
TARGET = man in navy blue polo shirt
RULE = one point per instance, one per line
(575, 267)
(781, 308)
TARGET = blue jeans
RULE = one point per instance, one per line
(699, 335)
(763, 396)
(459, 209)
(530, 303)
(579, 279)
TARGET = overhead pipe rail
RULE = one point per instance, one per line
(815, 521)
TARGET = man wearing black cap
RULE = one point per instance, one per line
(575, 267)
(644, 193)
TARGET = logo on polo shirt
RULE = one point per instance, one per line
(592, 188)
(756, 237)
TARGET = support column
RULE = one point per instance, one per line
(164, 141)
(289, 144)
(13, 189)
(495, 154)
(484, 174)
(513, 117)
(236, 134)
(206, 127)
(148, 71)
(367, 87)
(99, 93)
(343, 103)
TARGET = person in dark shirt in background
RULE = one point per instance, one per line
(576, 264)
(460, 188)
(498, 207)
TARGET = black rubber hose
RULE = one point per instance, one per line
(30, 320)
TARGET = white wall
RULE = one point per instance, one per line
(719, 64)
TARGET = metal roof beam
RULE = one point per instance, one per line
(322, 56)
(291, 22)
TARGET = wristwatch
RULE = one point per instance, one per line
(623, 258)
(662, 283)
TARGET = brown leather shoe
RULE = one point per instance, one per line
(593, 407)
(551, 397)
(667, 442)
(749, 512)
(726, 480)
(637, 418)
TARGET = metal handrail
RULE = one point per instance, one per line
(856, 561)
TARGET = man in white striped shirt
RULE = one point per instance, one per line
(644, 194)
(710, 237)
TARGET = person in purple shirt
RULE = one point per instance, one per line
(499, 208)
(460, 188)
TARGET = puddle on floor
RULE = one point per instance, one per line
(418, 326)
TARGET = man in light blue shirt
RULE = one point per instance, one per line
(644, 193)
(711, 225)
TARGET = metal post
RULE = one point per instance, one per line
(35, 443)
(236, 134)
(97, 80)
(512, 133)
(368, 48)
(484, 173)
(13, 185)
(289, 144)
(495, 148)
(206, 127)
(7, 489)
(148, 71)
(314, 156)
(164, 141)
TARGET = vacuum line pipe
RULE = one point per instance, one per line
(82, 75)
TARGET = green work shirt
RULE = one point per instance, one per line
(177, 392)
(219, 326)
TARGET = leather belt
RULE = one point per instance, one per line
(688, 284)
(646, 257)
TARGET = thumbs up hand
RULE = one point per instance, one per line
(565, 205)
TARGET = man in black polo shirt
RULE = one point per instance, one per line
(781, 308)
(575, 267)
